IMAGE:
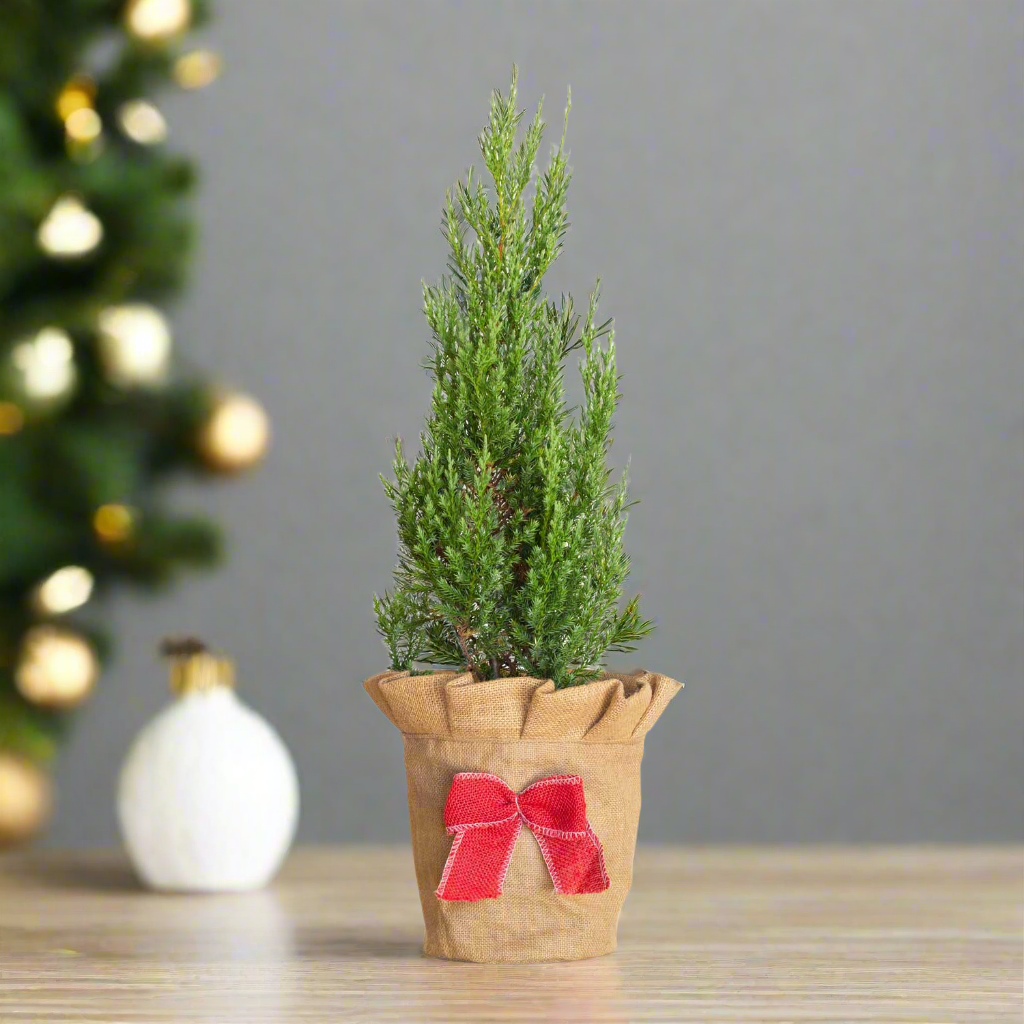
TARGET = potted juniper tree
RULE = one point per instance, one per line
(508, 586)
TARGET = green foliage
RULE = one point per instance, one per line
(510, 529)
(104, 443)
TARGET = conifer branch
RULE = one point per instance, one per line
(510, 535)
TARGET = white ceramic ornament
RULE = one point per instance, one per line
(208, 798)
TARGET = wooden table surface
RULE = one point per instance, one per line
(709, 935)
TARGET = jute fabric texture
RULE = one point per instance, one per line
(523, 730)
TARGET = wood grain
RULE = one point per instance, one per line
(709, 935)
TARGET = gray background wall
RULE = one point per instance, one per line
(808, 218)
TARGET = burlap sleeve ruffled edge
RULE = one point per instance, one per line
(613, 709)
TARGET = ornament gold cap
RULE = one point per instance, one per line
(194, 667)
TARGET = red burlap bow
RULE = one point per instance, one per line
(485, 817)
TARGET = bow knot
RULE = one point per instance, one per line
(485, 816)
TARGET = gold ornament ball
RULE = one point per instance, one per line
(235, 435)
(12, 419)
(79, 93)
(156, 21)
(113, 523)
(56, 667)
(25, 799)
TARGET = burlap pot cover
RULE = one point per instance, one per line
(523, 730)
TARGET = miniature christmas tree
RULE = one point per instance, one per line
(96, 235)
(510, 529)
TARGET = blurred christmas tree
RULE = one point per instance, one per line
(95, 237)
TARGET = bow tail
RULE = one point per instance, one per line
(575, 861)
(478, 860)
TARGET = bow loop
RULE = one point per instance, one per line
(477, 799)
(485, 817)
(555, 803)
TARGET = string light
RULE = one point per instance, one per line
(46, 364)
(197, 69)
(135, 344)
(69, 229)
(142, 122)
(63, 591)
(155, 21)
(83, 125)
